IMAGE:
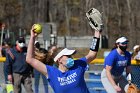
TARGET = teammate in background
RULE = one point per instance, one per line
(41, 55)
(115, 63)
(51, 55)
(136, 53)
(52, 50)
(19, 72)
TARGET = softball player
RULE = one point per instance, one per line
(115, 63)
(69, 76)
(136, 52)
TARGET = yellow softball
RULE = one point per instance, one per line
(37, 28)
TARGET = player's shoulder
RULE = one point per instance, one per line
(128, 53)
(113, 52)
(52, 69)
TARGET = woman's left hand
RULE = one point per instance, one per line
(117, 88)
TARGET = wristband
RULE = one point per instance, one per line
(95, 44)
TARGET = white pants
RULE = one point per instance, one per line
(121, 80)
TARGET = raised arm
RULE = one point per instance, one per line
(95, 21)
(94, 47)
(30, 55)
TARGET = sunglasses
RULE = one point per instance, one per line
(124, 43)
(21, 41)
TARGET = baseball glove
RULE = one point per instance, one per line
(95, 19)
(133, 89)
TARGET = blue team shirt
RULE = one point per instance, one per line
(117, 62)
(71, 81)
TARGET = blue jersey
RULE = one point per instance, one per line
(71, 81)
(117, 62)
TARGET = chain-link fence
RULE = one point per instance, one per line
(136, 75)
(1, 73)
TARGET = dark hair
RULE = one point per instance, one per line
(37, 45)
(21, 39)
(115, 46)
(43, 50)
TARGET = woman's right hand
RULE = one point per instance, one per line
(33, 34)
(117, 88)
